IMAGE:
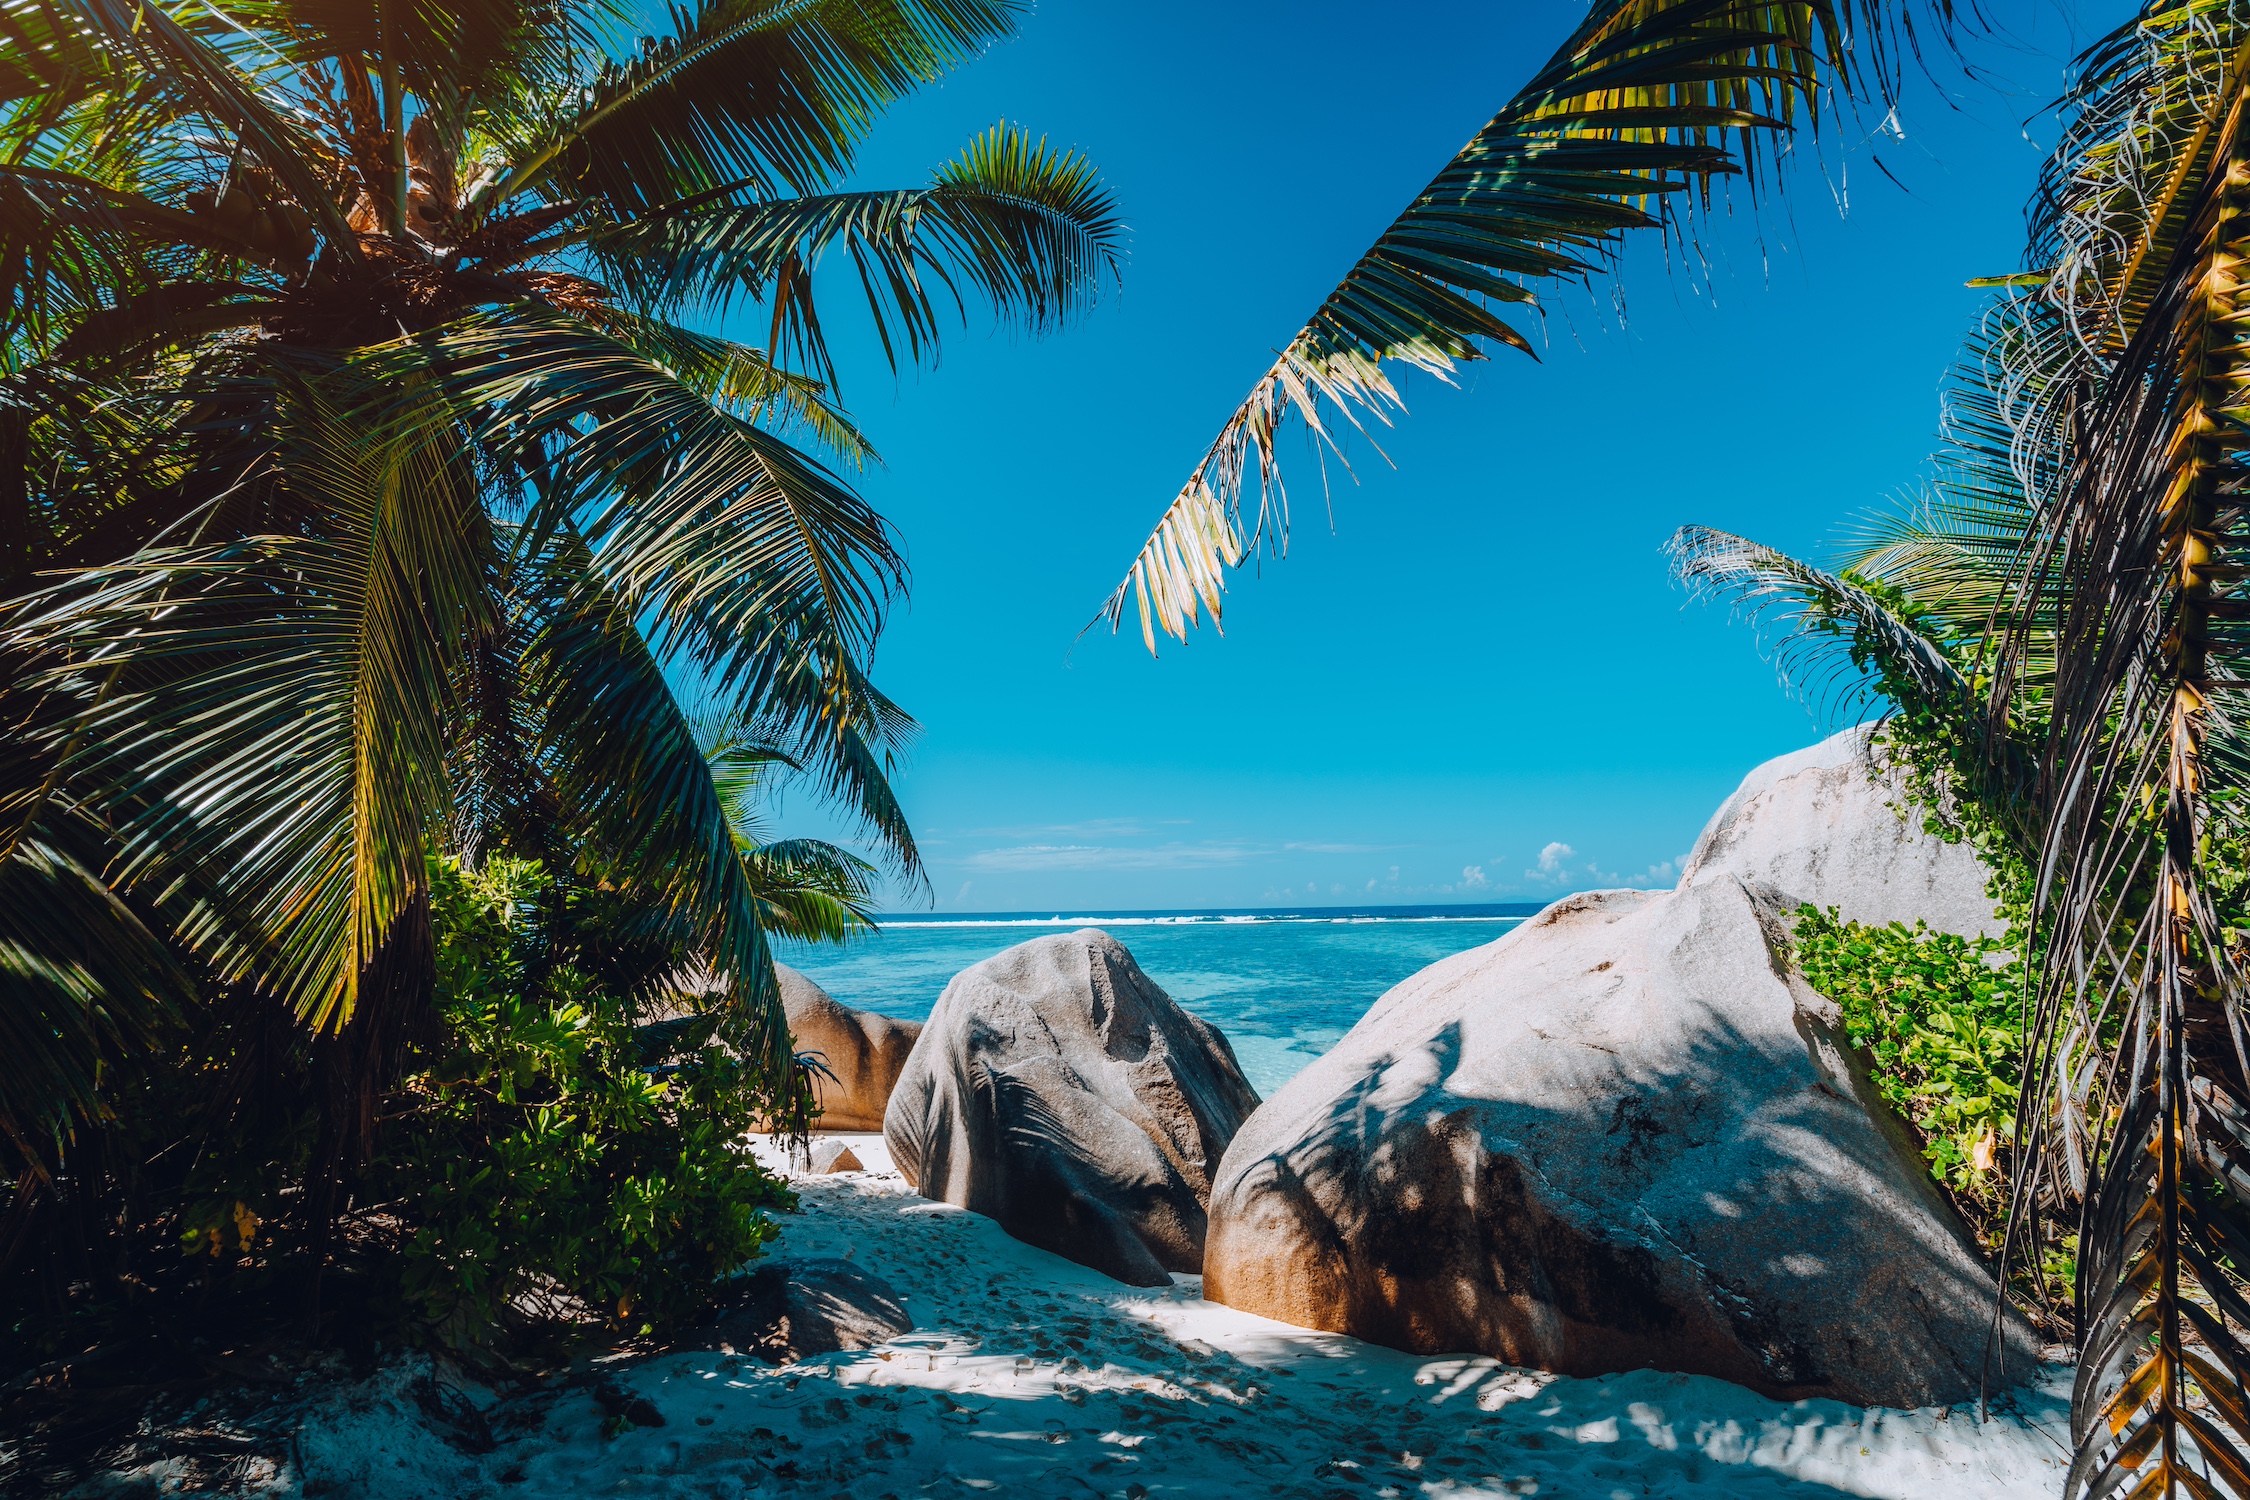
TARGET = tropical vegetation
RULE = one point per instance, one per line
(407, 602)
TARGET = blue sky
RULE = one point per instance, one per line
(1480, 685)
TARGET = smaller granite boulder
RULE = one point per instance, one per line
(792, 1309)
(864, 1050)
(1059, 1091)
(832, 1156)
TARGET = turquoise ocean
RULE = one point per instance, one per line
(1283, 985)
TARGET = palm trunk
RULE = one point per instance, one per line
(15, 499)
(394, 126)
(394, 122)
(356, 1063)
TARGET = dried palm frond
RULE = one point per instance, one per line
(2139, 974)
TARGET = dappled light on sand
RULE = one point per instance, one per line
(1032, 1376)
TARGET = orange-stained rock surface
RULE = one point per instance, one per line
(864, 1050)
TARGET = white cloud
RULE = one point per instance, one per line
(1036, 857)
(1472, 877)
(962, 894)
(1090, 828)
(1664, 872)
(1551, 867)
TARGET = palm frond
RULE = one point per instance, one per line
(1026, 229)
(149, 44)
(72, 249)
(635, 782)
(2141, 135)
(744, 763)
(1959, 547)
(448, 54)
(87, 983)
(2135, 1083)
(1648, 102)
(812, 891)
(1859, 641)
(742, 381)
(276, 733)
(49, 51)
(754, 97)
(1827, 623)
(721, 533)
(2152, 628)
(806, 889)
(847, 737)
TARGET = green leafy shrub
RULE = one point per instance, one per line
(1941, 1019)
(538, 1157)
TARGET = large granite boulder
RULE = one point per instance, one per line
(1831, 825)
(864, 1050)
(1059, 1091)
(1625, 1135)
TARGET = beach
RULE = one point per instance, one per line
(1029, 1375)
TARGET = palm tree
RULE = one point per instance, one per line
(366, 483)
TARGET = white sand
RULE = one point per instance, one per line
(1031, 1376)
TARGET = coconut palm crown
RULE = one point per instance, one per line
(370, 480)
